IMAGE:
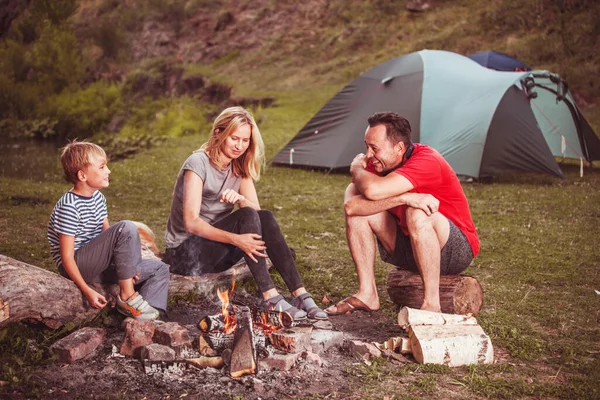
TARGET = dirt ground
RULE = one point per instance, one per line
(107, 374)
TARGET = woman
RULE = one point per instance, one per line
(205, 236)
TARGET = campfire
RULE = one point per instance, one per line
(241, 334)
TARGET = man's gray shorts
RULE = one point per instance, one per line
(456, 255)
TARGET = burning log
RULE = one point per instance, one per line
(278, 319)
(243, 356)
(212, 323)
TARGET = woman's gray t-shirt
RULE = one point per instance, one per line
(215, 181)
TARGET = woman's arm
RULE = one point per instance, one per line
(250, 243)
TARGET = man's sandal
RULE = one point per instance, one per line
(349, 305)
(306, 302)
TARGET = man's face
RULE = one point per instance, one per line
(381, 153)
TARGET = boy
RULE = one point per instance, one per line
(87, 250)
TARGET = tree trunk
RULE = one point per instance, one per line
(459, 294)
(32, 294)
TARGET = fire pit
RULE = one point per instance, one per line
(240, 334)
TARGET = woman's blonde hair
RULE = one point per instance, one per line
(230, 119)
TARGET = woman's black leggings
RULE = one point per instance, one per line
(197, 255)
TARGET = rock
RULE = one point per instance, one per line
(282, 362)
(363, 350)
(322, 340)
(417, 5)
(157, 352)
(78, 344)
(137, 335)
(173, 335)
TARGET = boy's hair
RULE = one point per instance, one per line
(249, 163)
(77, 155)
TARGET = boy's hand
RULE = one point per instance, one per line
(95, 299)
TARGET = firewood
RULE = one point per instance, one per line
(459, 294)
(452, 345)
(243, 355)
(206, 362)
(411, 317)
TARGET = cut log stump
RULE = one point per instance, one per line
(459, 294)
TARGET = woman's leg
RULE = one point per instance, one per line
(280, 253)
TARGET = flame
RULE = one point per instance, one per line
(227, 316)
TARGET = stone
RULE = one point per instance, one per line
(322, 340)
(363, 350)
(157, 352)
(282, 362)
(323, 324)
(78, 344)
(312, 358)
(292, 340)
(137, 335)
(173, 335)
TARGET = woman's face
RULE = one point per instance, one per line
(237, 143)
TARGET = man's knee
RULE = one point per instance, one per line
(417, 220)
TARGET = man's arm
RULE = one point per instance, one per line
(356, 204)
(375, 187)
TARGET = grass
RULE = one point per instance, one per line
(539, 261)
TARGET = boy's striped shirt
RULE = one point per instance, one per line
(78, 216)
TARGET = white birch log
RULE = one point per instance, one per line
(452, 345)
(412, 317)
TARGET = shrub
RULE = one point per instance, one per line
(82, 113)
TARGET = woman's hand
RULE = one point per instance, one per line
(251, 244)
(231, 196)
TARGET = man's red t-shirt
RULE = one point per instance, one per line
(430, 173)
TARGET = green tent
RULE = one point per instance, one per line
(484, 122)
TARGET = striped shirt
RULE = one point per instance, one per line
(78, 216)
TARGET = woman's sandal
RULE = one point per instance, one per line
(306, 302)
(278, 303)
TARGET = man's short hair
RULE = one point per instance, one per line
(397, 127)
(77, 155)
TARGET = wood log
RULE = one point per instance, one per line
(206, 362)
(32, 294)
(452, 345)
(412, 317)
(459, 294)
(243, 354)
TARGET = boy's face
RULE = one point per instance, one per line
(95, 175)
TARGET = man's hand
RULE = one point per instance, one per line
(425, 202)
(95, 299)
(231, 196)
(359, 162)
(251, 244)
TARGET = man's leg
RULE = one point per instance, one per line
(428, 235)
(360, 233)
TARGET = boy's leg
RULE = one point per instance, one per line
(153, 282)
(95, 257)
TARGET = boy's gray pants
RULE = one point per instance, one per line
(116, 254)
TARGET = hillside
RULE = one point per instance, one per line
(131, 61)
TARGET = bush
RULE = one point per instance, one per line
(83, 113)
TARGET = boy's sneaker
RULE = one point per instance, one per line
(136, 307)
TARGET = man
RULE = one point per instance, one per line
(406, 199)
